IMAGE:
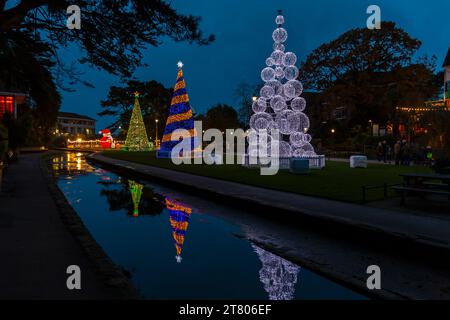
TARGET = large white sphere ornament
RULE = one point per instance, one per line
(279, 72)
(267, 92)
(289, 91)
(279, 46)
(307, 147)
(291, 72)
(277, 56)
(297, 139)
(270, 62)
(293, 88)
(303, 121)
(298, 153)
(272, 126)
(279, 35)
(288, 121)
(260, 121)
(289, 59)
(298, 104)
(267, 74)
(259, 107)
(279, 19)
(307, 138)
(277, 103)
(285, 150)
(276, 85)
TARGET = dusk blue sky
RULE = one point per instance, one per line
(243, 30)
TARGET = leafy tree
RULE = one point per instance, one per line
(436, 123)
(113, 32)
(221, 117)
(112, 37)
(154, 100)
(26, 66)
(370, 72)
(244, 94)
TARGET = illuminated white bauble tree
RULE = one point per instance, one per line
(280, 105)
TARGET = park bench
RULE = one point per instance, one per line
(404, 191)
(423, 184)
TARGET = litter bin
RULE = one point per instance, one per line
(299, 166)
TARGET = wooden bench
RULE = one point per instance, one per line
(404, 190)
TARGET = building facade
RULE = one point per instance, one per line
(75, 125)
(9, 102)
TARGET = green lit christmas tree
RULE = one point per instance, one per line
(136, 194)
(137, 139)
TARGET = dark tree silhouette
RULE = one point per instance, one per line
(154, 100)
(370, 72)
(221, 117)
(113, 32)
(151, 203)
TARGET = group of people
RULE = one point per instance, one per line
(403, 152)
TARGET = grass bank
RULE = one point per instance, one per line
(337, 181)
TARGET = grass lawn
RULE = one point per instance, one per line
(337, 181)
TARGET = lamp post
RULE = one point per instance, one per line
(156, 131)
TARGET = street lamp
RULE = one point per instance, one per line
(156, 131)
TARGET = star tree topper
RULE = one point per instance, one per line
(180, 64)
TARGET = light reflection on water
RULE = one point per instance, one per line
(174, 250)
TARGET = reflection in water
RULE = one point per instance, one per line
(136, 194)
(144, 247)
(131, 196)
(278, 276)
(70, 164)
(179, 220)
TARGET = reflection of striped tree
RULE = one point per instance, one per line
(179, 221)
(278, 276)
(136, 194)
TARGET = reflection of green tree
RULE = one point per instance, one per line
(142, 201)
(136, 194)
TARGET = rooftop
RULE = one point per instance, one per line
(447, 59)
(73, 116)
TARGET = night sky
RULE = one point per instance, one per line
(243, 29)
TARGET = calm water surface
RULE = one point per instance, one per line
(177, 246)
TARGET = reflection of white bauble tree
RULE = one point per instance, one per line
(278, 276)
(280, 104)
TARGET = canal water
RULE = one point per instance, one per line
(177, 246)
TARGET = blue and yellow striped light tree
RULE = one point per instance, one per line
(179, 215)
(180, 117)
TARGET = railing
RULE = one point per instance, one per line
(385, 186)
(315, 162)
(90, 144)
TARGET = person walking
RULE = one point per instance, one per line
(384, 151)
(397, 151)
(379, 151)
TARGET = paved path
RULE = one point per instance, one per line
(35, 246)
(421, 229)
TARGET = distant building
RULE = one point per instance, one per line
(9, 102)
(446, 67)
(75, 125)
(413, 113)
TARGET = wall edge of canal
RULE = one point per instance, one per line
(107, 271)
